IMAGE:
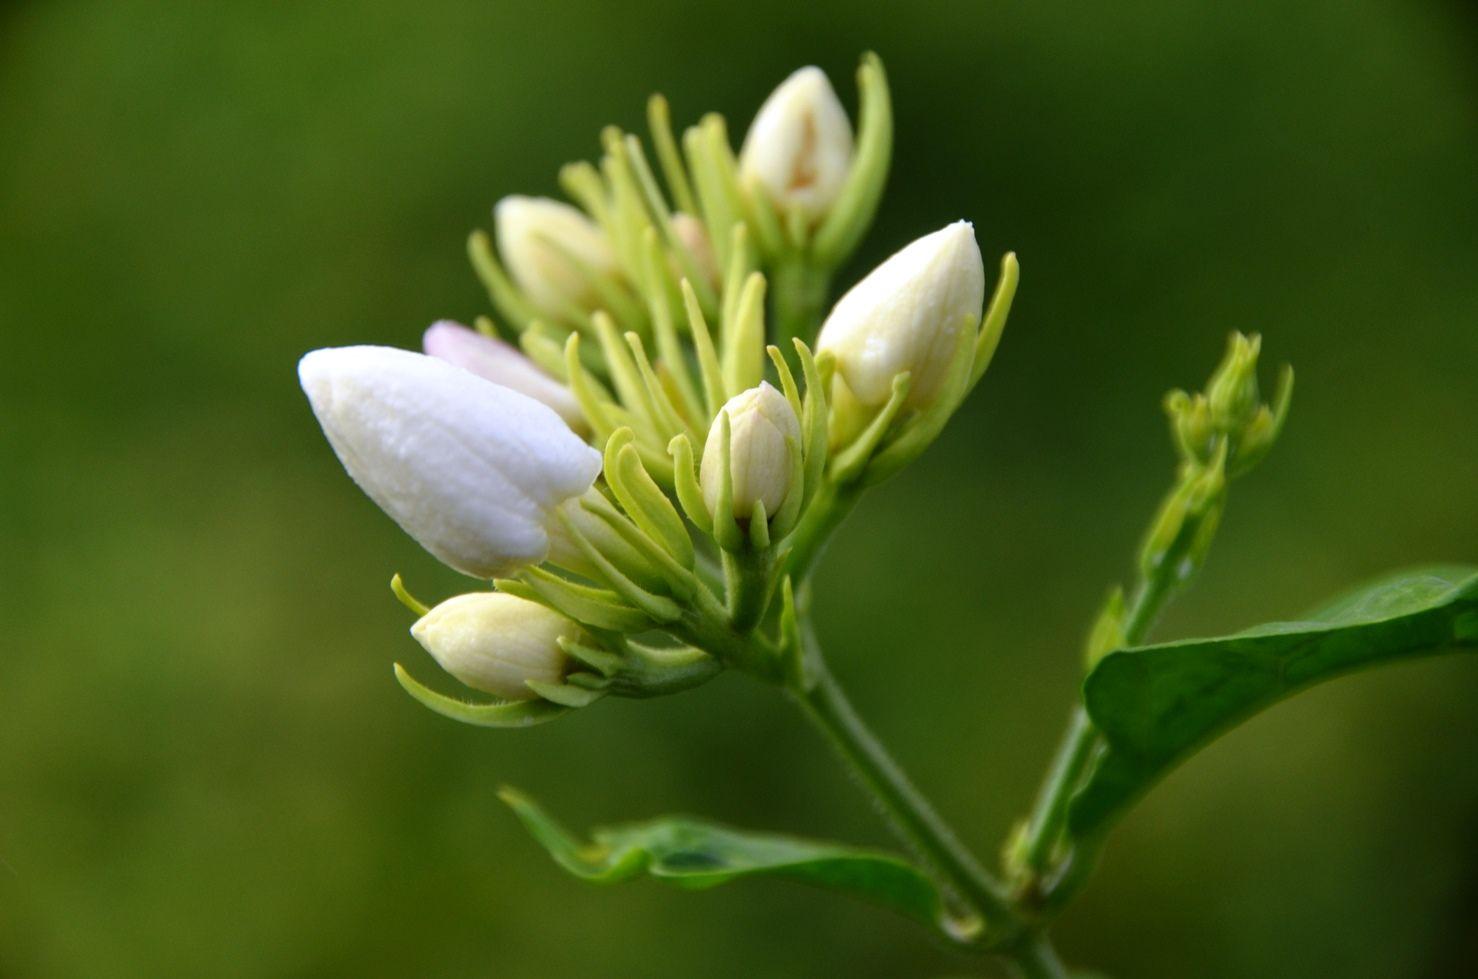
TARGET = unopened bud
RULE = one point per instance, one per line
(907, 315)
(763, 432)
(694, 237)
(473, 471)
(503, 364)
(552, 250)
(1232, 390)
(496, 643)
(799, 147)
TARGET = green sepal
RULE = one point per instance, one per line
(663, 294)
(852, 212)
(759, 526)
(848, 464)
(813, 419)
(505, 296)
(714, 391)
(994, 321)
(659, 122)
(565, 694)
(595, 404)
(507, 713)
(789, 512)
(743, 339)
(397, 586)
(659, 608)
(696, 855)
(909, 440)
(678, 578)
(545, 346)
(685, 482)
(725, 527)
(598, 608)
(652, 671)
(643, 499)
(1157, 705)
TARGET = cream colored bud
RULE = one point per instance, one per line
(799, 147)
(694, 237)
(502, 363)
(907, 315)
(760, 464)
(545, 243)
(495, 642)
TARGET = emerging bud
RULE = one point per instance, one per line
(1232, 391)
(471, 470)
(552, 250)
(799, 147)
(694, 238)
(763, 431)
(907, 315)
(495, 642)
(502, 363)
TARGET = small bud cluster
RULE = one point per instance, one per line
(647, 473)
(1219, 433)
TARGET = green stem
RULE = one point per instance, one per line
(1036, 959)
(1049, 816)
(909, 813)
(798, 290)
(824, 514)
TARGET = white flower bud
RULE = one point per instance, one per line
(537, 238)
(694, 237)
(471, 470)
(907, 316)
(760, 464)
(799, 147)
(502, 363)
(494, 642)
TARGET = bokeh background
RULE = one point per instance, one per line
(205, 765)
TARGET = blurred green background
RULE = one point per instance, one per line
(206, 768)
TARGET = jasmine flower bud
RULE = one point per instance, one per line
(763, 432)
(502, 363)
(799, 147)
(907, 315)
(694, 238)
(473, 471)
(551, 249)
(495, 642)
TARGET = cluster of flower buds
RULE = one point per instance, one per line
(1219, 433)
(651, 456)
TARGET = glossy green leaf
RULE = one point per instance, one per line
(695, 854)
(1155, 705)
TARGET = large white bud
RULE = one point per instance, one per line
(907, 315)
(494, 642)
(760, 463)
(538, 237)
(799, 147)
(471, 470)
(502, 363)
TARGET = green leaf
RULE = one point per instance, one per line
(695, 854)
(1156, 705)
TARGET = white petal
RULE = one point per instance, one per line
(494, 642)
(471, 470)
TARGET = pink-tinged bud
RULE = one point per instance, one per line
(502, 363)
